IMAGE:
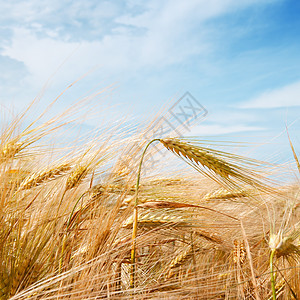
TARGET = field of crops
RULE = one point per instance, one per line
(79, 222)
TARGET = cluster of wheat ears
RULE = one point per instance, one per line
(82, 222)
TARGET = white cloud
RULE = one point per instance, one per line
(165, 35)
(120, 39)
(65, 15)
(286, 96)
(41, 56)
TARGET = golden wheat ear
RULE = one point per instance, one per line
(224, 168)
(44, 176)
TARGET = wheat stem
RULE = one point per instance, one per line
(250, 261)
(66, 234)
(272, 273)
(135, 218)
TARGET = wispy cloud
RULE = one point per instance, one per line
(227, 121)
(285, 96)
(217, 129)
(116, 37)
(152, 48)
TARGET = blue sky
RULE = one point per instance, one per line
(240, 59)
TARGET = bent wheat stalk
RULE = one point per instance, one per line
(230, 172)
(135, 218)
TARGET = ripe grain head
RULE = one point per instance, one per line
(76, 176)
(37, 179)
(229, 170)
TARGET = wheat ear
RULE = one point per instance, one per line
(225, 168)
(179, 260)
(224, 194)
(10, 149)
(76, 176)
(37, 179)
(199, 156)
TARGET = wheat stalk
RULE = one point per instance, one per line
(214, 167)
(282, 244)
(247, 248)
(232, 172)
(76, 176)
(135, 218)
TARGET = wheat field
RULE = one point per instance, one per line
(79, 221)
